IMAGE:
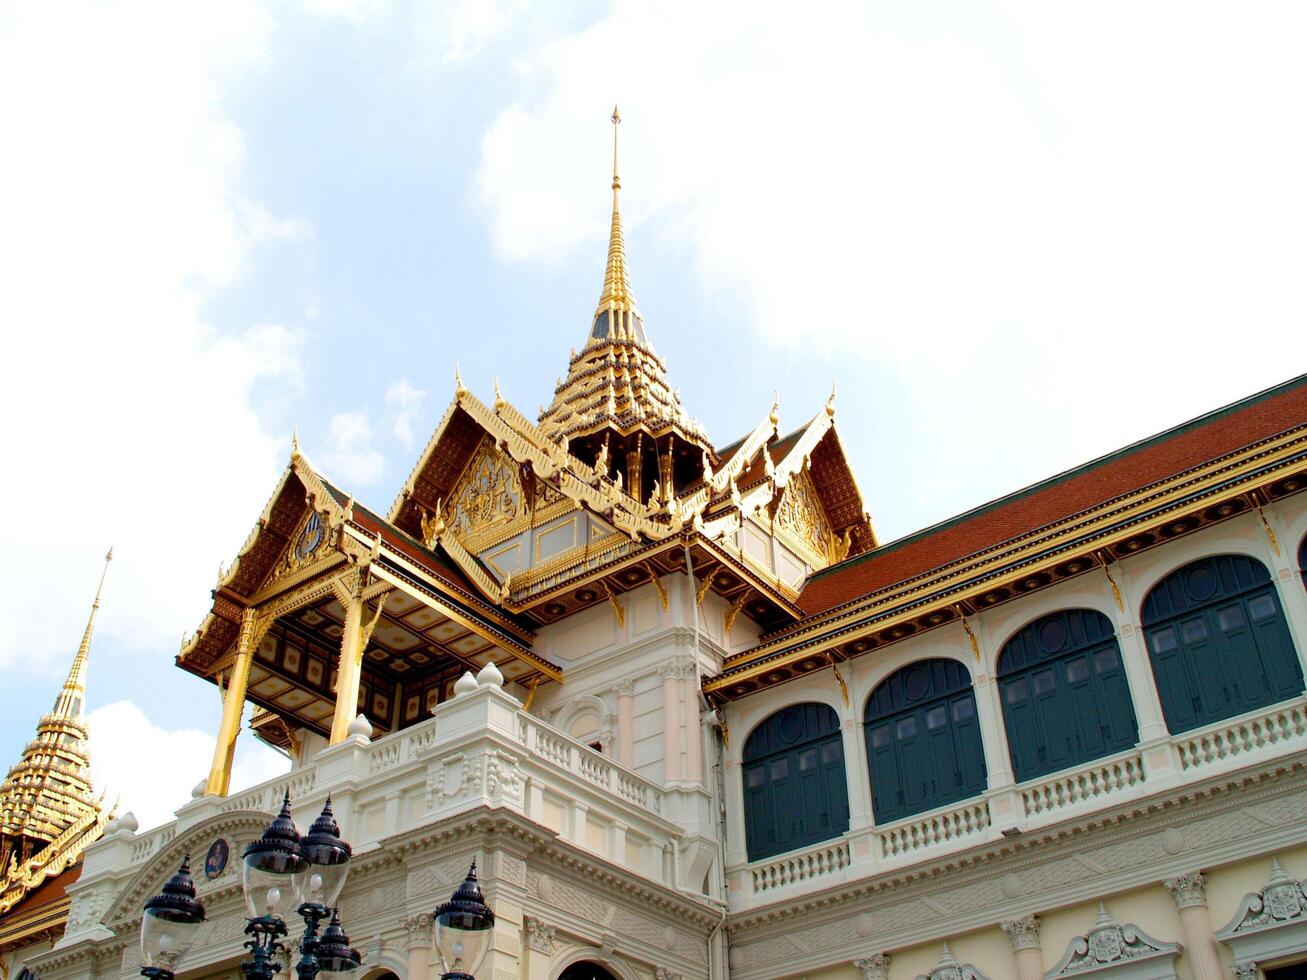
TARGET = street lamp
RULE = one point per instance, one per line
(463, 928)
(280, 869)
(170, 924)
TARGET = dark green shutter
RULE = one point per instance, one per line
(1064, 693)
(795, 788)
(923, 740)
(1218, 642)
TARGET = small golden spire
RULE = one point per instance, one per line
(617, 295)
(830, 402)
(295, 440)
(460, 389)
(69, 702)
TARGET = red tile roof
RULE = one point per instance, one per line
(1156, 458)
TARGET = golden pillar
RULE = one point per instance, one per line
(232, 706)
(351, 661)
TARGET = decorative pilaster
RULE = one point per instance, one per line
(539, 936)
(418, 939)
(539, 948)
(1023, 933)
(873, 967)
(671, 722)
(1190, 894)
(693, 730)
(626, 722)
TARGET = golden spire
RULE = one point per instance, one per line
(69, 702)
(617, 296)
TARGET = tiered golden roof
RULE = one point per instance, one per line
(616, 399)
(46, 801)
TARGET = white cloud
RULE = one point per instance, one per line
(152, 771)
(353, 458)
(404, 406)
(455, 31)
(1019, 208)
(130, 420)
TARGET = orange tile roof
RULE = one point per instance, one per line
(1178, 449)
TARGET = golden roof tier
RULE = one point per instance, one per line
(616, 408)
(48, 813)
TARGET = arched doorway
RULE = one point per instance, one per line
(586, 970)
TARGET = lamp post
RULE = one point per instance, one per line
(170, 923)
(279, 870)
(463, 930)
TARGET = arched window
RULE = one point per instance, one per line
(923, 740)
(795, 790)
(586, 970)
(1302, 560)
(1218, 642)
(1064, 693)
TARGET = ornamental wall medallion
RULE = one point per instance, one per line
(1110, 944)
(215, 861)
(488, 495)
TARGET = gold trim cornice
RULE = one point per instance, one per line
(1144, 510)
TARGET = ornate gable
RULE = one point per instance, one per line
(1117, 950)
(488, 497)
(801, 520)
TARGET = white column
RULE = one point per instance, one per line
(626, 723)
(1293, 597)
(350, 666)
(693, 729)
(671, 723)
(419, 929)
(1190, 894)
(1026, 948)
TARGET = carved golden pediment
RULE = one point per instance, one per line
(801, 518)
(309, 543)
(487, 496)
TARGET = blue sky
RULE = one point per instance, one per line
(1016, 235)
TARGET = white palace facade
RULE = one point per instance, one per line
(693, 720)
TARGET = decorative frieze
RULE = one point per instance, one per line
(1110, 944)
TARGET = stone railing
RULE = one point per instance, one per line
(1084, 785)
(1276, 728)
(938, 827)
(477, 750)
(801, 866)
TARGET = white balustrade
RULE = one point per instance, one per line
(792, 869)
(1091, 782)
(939, 827)
(1278, 727)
